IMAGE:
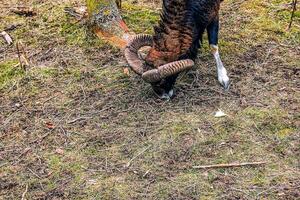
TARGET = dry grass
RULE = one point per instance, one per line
(74, 126)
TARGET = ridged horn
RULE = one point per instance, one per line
(131, 52)
(166, 70)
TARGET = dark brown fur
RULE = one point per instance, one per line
(180, 28)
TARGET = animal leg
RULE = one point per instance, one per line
(213, 31)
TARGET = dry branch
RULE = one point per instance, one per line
(12, 27)
(251, 164)
(24, 193)
(23, 59)
(140, 153)
(78, 119)
(24, 11)
(293, 14)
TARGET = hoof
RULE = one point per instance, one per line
(226, 85)
(166, 96)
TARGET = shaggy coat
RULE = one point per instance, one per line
(180, 30)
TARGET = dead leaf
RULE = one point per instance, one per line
(50, 125)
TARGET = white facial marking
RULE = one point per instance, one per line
(222, 72)
(171, 93)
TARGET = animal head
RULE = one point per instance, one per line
(157, 68)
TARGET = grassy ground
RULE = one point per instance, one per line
(74, 126)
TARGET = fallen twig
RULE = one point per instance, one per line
(140, 153)
(24, 152)
(12, 27)
(24, 11)
(3, 164)
(22, 56)
(293, 14)
(24, 193)
(35, 174)
(78, 119)
(42, 137)
(19, 55)
(21, 155)
(229, 165)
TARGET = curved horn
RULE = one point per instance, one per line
(131, 52)
(166, 70)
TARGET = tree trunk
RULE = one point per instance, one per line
(107, 21)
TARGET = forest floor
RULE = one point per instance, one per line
(73, 125)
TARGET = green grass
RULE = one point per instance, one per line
(139, 19)
(10, 72)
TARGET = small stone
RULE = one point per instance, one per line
(92, 182)
(59, 151)
(220, 114)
